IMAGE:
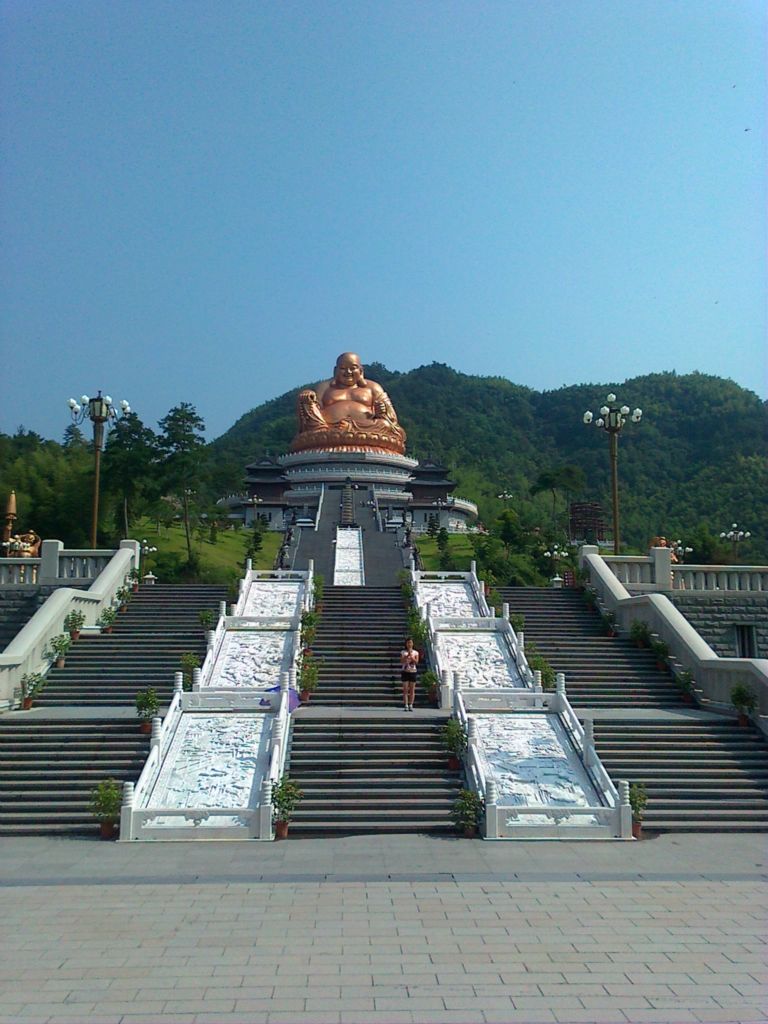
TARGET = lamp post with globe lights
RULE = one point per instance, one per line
(102, 413)
(680, 551)
(611, 419)
(735, 536)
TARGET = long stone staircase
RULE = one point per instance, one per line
(702, 771)
(83, 728)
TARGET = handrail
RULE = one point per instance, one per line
(25, 653)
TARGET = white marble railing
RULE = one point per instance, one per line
(19, 572)
(656, 572)
(25, 653)
(714, 677)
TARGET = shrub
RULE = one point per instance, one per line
(107, 617)
(468, 809)
(640, 632)
(743, 698)
(207, 618)
(106, 801)
(454, 737)
(189, 661)
(147, 704)
(638, 798)
(285, 798)
(74, 622)
(538, 663)
(58, 646)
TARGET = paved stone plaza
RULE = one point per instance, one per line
(405, 928)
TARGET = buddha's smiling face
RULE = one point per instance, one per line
(348, 372)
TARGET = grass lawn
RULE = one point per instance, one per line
(218, 561)
(459, 547)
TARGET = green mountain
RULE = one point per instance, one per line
(697, 459)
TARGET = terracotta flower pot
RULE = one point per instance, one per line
(304, 696)
(26, 703)
(281, 830)
(60, 662)
(743, 719)
(135, 587)
(453, 762)
(637, 829)
(146, 726)
(470, 832)
(74, 634)
(107, 829)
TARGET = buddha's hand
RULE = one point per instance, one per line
(380, 410)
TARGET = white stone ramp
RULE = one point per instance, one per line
(348, 569)
(252, 659)
(215, 760)
(449, 599)
(533, 762)
(273, 598)
(482, 659)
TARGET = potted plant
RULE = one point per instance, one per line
(517, 622)
(58, 646)
(455, 742)
(661, 652)
(744, 700)
(31, 684)
(189, 661)
(417, 630)
(640, 633)
(538, 663)
(285, 799)
(590, 598)
(147, 706)
(638, 798)
(684, 682)
(73, 623)
(308, 677)
(318, 589)
(207, 618)
(135, 577)
(123, 596)
(494, 600)
(432, 685)
(609, 623)
(107, 620)
(467, 812)
(106, 801)
(308, 629)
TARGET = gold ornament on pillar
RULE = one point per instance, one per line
(18, 545)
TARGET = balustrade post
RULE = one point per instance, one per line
(222, 609)
(505, 611)
(209, 637)
(471, 732)
(248, 565)
(293, 677)
(445, 689)
(178, 682)
(265, 811)
(537, 681)
(50, 552)
(196, 673)
(491, 801)
(232, 609)
(155, 738)
(590, 756)
(473, 567)
(625, 811)
(125, 811)
(521, 641)
(557, 702)
(285, 682)
(311, 567)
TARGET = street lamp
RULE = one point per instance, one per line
(611, 419)
(680, 551)
(735, 536)
(102, 414)
(505, 496)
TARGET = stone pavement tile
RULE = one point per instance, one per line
(484, 1003)
(576, 1016)
(661, 1016)
(586, 989)
(381, 1017)
(41, 1009)
(198, 1006)
(512, 1016)
(410, 1003)
(286, 1017)
(215, 1018)
(624, 1003)
(348, 1003)
(728, 1014)
(267, 1006)
(167, 1018)
(563, 1002)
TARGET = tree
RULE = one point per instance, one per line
(570, 479)
(182, 446)
(130, 469)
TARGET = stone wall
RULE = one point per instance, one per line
(715, 614)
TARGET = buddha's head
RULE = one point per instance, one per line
(348, 371)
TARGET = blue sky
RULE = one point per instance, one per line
(207, 202)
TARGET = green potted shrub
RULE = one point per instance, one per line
(431, 684)
(609, 623)
(318, 589)
(417, 631)
(308, 677)
(743, 698)
(285, 799)
(308, 629)
(135, 578)
(123, 596)
(455, 742)
(538, 663)
(638, 798)
(106, 801)
(107, 620)
(517, 622)
(206, 618)
(494, 600)
(58, 647)
(684, 681)
(189, 661)
(31, 684)
(640, 633)
(73, 623)
(147, 706)
(660, 650)
(467, 812)
(590, 598)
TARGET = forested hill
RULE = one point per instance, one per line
(697, 458)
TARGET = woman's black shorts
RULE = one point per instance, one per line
(407, 677)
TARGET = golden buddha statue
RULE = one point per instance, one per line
(347, 412)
